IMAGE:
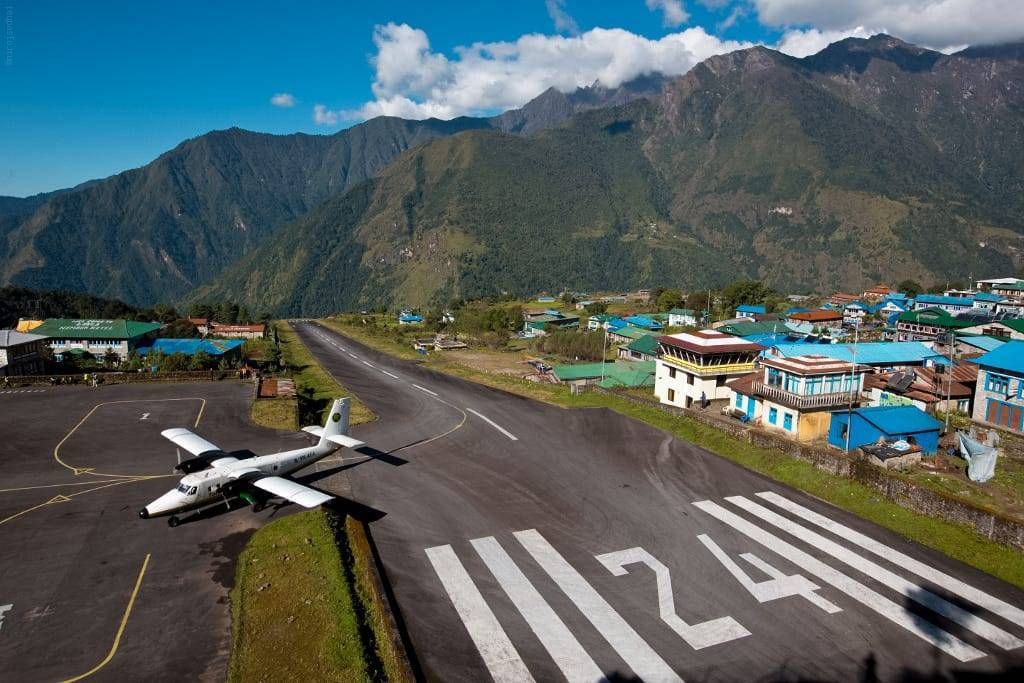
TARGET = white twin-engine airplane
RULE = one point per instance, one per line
(213, 476)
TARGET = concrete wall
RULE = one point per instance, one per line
(988, 523)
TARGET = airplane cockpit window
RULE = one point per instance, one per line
(182, 488)
(192, 491)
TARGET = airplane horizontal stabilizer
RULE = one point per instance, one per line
(314, 430)
(346, 441)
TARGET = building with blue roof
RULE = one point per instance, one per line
(999, 394)
(750, 310)
(228, 349)
(882, 355)
(410, 319)
(971, 343)
(950, 304)
(643, 322)
(868, 426)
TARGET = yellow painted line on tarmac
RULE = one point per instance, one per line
(60, 498)
(51, 486)
(120, 628)
(91, 470)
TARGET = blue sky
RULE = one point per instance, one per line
(91, 89)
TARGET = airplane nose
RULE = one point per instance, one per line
(144, 513)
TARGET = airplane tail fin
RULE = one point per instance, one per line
(337, 420)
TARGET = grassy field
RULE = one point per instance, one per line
(276, 413)
(957, 541)
(314, 385)
(295, 613)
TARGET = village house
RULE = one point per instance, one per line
(794, 395)
(1007, 328)
(238, 331)
(989, 285)
(950, 304)
(682, 317)
(840, 299)
(694, 367)
(999, 394)
(821, 319)
(202, 325)
(749, 310)
(877, 293)
(925, 325)
(871, 427)
(1009, 290)
(20, 353)
(855, 312)
(878, 355)
(641, 348)
(939, 387)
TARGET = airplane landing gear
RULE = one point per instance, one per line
(173, 521)
(258, 506)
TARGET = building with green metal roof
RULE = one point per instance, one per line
(96, 337)
(641, 348)
(927, 324)
(621, 373)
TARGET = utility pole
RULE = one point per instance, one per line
(950, 340)
(853, 385)
(604, 345)
(709, 320)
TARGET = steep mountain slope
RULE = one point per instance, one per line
(155, 232)
(832, 171)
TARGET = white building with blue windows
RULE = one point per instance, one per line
(999, 396)
(797, 395)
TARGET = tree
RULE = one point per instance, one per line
(669, 298)
(910, 287)
(180, 329)
(111, 359)
(201, 360)
(745, 292)
(597, 308)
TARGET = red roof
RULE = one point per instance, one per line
(708, 341)
(218, 327)
(810, 365)
(816, 316)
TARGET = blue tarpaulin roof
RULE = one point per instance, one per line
(868, 353)
(190, 347)
(1009, 357)
(750, 308)
(899, 419)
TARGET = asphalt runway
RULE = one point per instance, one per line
(76, 557)
(523, 541)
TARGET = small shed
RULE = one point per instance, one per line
(887, 423)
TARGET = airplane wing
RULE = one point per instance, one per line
(205, 453)
(281, 487)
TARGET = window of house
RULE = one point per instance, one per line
(672, 373)
(787, 421)
(997, 384)
(773, 377)
(773, 415)
(689, 379)
(720, 381)
(671, 395)
(739, 400)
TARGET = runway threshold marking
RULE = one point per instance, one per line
(894, 612)
(952, 584)
(120, 628)
(499, 654)
(91, 470)
(887, 578)
(494, 424)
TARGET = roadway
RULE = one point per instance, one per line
(87, 589)
(523, 541)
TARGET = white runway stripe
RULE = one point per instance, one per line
(389, 374)
(894, 581)
(954, 585)
(367, 364)
(899, 615)
(633, 649)
(572, 660)
(432, 393)
(497, 651)
(494, 424)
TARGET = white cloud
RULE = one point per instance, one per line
(935, 23)
(283, 99)
(672, 12)
(411, 81)
(564, 23)
(804, 42)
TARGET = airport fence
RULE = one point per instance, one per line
(94, 378)
(992, 524)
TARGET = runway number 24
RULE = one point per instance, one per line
(722, 629)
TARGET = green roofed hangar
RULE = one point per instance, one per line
(96, 337)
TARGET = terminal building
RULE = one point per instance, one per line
(96, 337)
(693, 367)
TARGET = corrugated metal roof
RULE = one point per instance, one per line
(13, 338)
(1009, 357)
(899, 419)
(190, 347)
(981, 342)
(868, 353)
(63, 328)
(568, 373)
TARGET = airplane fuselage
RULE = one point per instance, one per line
(206, 487)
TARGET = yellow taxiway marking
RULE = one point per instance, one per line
(60, 498)
(120, 628)
(52, 486)
(91, 470)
